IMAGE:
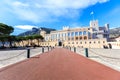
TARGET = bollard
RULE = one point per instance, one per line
(28, 53)
(48, 48)
(86, 52)
(51, 47)
(42, 49)
(67, 47)
(74, 49)
(70, 48)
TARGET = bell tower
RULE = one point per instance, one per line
(94, 24)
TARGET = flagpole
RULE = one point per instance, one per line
(93, 17)
(92, 14)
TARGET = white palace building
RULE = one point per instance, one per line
(93, 36)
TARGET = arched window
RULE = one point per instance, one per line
(72, 34)
(89, 34)
(76, 33)
(80, 38)
(103, 41)
(58, 35)
(68, 34)
(76, 42)
(90, 42)
(72, 38)
(76, 38)
(80, 33)
(84, 33)
(85, 37)
(65, 34)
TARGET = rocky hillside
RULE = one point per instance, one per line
(36, 31)
(115, 32)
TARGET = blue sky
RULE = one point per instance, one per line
(25, 14)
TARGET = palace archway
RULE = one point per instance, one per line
(59, 43)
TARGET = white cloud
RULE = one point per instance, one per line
(77, 4)
(48, 10)
(26, 27)
(115, 10)
(20, 4)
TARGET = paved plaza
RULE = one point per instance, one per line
(8, 57)
(58, 64)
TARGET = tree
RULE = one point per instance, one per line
(29, 38)
(38, 38)
(3, 39)
(5, 29)
(20, 39)
(7, 38)
(11, 39)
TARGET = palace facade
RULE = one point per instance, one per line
(92, 36)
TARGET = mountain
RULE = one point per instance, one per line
(36, 31)
(115, 32)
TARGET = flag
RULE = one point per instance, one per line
(92, 13)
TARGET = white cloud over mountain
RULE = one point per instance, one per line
(47, 10)
(26, 27)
